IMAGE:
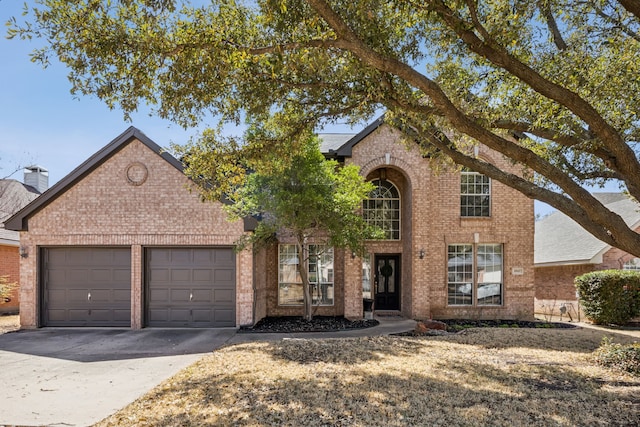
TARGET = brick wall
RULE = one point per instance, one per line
(103, 208)
(10, 267)
(431, 221)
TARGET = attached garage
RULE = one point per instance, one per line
(190, 287)
(86, 286)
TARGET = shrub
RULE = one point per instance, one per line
(609, 296)
(621, 357)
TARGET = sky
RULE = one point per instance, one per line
(41, 123)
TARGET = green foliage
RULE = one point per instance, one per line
(6, 288)
(618, 356)
(296, 192)
(609, 296)
(560, 75)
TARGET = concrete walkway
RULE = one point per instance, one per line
(78, 376)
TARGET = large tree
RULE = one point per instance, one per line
(551, 84)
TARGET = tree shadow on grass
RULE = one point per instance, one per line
(468, 393)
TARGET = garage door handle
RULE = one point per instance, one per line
(190, 297)
(89, 296)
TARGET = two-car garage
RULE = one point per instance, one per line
(183, 286)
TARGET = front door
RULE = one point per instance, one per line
(387, 282)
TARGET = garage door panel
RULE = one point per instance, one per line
(159, 275)
(225, 275)
(87, 286)
(223, 296)
(224, 257)
(188, 298)
(179, 295)
(121, 295)
(178, 275)
(224, 316)
(123, 277)
(157, 295)
(200, 275)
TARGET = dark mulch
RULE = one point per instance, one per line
(454, 325)
(457, 325)
(290, 324)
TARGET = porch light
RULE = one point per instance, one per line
(421, 254)
(24, 252)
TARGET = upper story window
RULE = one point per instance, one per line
(475, 195)
(382, 208)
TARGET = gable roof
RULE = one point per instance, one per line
(559, 240)
(19, 221)
(332, 147)
(14, 195)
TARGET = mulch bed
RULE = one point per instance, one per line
(291, 324)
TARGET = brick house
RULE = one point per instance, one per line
(564, 250)
(15, 195)
(122, 242)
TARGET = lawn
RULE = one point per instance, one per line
(486, 376)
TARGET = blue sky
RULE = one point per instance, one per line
(42, 123)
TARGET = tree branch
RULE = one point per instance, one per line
(545, 10)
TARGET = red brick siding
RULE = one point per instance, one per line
(104, 209)
(431, 220)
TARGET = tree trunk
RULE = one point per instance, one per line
(303, 250)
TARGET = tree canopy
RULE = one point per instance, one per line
(312, 201)
(561, 76)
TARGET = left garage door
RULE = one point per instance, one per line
(86, 286)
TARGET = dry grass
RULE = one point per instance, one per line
(498, 377)
(9, 323)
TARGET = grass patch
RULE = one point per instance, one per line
(486, 376)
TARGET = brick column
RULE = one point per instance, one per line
(137, 287)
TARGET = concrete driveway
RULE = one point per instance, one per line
(78, 377)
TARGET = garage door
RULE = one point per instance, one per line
(190, 287)
(86, 286)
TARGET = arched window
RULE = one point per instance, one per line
(382, 208)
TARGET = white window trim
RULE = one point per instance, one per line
(474, 272)
(284, 304)
(490, 194)
(399, 209)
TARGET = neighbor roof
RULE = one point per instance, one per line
(559, 240)
(14, 195)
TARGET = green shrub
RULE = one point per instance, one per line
(609, 296)
(621, 357)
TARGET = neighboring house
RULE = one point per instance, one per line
(564, 250)
(121, 241)
(15, 195)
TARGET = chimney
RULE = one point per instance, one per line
(37, 177)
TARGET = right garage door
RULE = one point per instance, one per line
(190, 287)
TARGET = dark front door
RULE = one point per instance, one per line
(387, 281)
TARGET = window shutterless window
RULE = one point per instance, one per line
(319, 268)
(382, 208)
(475, 195)
(474, 274)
